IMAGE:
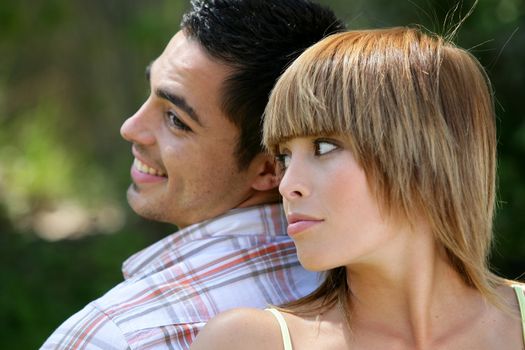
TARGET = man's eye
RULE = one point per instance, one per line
(175, 122)
(323, 147)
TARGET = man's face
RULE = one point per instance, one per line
(185, 169)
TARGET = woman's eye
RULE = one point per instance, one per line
(283, 161)
(175, 122)
(324, 147)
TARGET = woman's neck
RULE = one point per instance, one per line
(410, 290)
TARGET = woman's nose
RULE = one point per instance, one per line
(294, 181)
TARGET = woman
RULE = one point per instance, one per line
(388, 150)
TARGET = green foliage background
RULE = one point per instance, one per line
(72, 71)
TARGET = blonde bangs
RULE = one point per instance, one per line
(306, 99)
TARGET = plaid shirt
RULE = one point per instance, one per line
(242, 258)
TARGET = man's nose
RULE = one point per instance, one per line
(139, 127)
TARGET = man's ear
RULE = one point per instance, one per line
(265, 178)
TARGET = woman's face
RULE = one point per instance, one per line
(332, 215)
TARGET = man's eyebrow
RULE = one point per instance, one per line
(179, 102)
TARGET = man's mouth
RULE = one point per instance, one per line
(145, 169)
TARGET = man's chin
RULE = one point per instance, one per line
(140, 205)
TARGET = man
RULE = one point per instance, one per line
(199, 165)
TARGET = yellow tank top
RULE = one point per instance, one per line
(284, 328)
(520, 294)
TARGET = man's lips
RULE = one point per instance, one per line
(300, 222)
(146, 169)
(140, 177)
(144, 173)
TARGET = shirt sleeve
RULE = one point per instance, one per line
(89, 329)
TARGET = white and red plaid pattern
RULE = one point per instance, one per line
(172, 288)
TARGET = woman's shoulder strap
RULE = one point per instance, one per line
(520, 294)
(284, 328)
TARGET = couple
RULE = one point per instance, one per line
(385, 149)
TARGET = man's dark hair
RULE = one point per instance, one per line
(258, 39)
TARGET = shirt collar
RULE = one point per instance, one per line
(263, 220)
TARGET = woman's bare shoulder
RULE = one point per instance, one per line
(240, 328)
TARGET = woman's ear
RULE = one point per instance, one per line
(266, 178)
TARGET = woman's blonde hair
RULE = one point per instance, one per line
(418, 113)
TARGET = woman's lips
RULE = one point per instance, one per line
(298, 223)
